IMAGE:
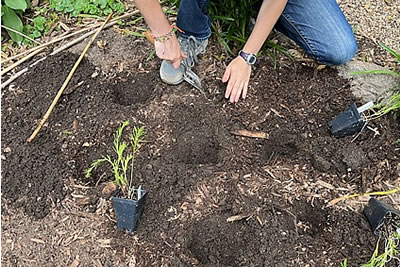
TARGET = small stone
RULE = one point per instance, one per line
(7, 150)
(109, 188)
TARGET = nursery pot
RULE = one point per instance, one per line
(377, 211)
(128, 211)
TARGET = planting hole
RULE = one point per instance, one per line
(197, 147)
(133, 90)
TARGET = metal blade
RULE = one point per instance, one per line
(192, 78)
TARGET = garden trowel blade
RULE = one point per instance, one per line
(192, 78)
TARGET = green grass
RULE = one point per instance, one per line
(393, 105)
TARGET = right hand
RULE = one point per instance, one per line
(170, 51)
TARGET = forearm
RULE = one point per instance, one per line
(269, 13)
(154, 16)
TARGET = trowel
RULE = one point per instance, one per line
(349, 121)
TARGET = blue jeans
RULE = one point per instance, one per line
(318, 26)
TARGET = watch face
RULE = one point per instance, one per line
(251, 59)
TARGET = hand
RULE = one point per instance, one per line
(170, 51)
(238, 73)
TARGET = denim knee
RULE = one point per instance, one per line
(339, 52)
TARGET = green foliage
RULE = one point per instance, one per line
(122, 165)
(391, 251)
(11, 13)
(91, 7)
(40, 25)
(231, 23)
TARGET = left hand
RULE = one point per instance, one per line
(238, 73)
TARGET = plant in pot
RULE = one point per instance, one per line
(128, 200)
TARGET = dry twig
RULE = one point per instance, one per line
(247, 133)
(53, 104)
(21, 61)
(20, 33)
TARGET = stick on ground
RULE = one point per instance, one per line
(247, 133)
(53, 104)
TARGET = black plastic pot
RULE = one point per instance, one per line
(378, 213)
(346, 123)
(128, 211)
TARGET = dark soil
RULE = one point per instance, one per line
(197, 173)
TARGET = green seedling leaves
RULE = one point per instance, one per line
(11, 20)
(17, 4)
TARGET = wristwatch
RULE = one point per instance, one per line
(248, 57)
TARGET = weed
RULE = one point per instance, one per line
(123, 164)
(91, 7)
(11, 13)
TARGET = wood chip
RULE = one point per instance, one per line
(325, 184)
(38, 241)
(335, 201)
(75, 263)
(238, 217)
(71, 89)
(104, 243)
(277, 113)
(184, 205)
(259, 121)
(252, 134)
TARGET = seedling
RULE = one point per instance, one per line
(385, 222)
(122, 165)
(390, 252)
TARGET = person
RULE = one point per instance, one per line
(318, 26)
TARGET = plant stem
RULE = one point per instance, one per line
(20, 33)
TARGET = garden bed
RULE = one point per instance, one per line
(197, 173)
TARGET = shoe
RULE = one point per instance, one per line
(191, 47)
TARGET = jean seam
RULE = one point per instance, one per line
(301, 35)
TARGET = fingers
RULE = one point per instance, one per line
(237, 90)
(245, 88)
(183, 54)
(176, 63)
(229, 88)
(226, 76)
